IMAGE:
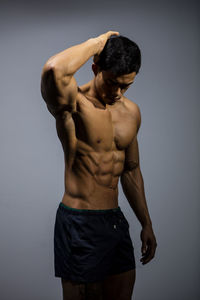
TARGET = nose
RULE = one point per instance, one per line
(117, 93)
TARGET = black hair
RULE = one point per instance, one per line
(120, 56)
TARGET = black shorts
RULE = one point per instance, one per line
(90, 245)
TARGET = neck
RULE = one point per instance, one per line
(94, 96)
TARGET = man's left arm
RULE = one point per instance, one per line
(133, 188)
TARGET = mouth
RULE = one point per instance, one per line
(113, 100)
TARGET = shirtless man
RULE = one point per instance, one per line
(97, 126)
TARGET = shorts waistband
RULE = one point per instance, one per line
(88, 211)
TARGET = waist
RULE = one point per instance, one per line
(98, 200)
(88, 211)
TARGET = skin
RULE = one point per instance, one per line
(97, 127)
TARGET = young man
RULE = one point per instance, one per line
(97, 126)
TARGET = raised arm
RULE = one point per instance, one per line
(133, 188)
(58, 85)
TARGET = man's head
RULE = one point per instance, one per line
(120, 56)
(116, 67)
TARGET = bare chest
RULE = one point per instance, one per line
(95, 129)
(99, 129)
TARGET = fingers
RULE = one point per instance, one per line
(148, 253)
(109, 33)
(144, 247)
(149, 244)
(106, 35)
(103, 39)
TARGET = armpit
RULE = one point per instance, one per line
(59, 109)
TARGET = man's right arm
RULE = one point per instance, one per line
(58, 85)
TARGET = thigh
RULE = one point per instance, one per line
(73, 291)
(94, 291)
(119, 286)
(82, 291)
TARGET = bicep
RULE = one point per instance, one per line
(59, 92)
(132, 151)
(132, 155)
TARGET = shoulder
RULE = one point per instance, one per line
(133, 109)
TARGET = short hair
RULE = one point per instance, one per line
(120, 55)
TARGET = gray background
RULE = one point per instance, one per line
(32, 161)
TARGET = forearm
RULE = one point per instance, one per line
(71, 59)
(133, 188)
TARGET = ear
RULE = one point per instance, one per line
(95, 69)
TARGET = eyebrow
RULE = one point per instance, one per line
(129, 83)
(124, 84)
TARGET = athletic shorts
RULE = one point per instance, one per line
(90, 245)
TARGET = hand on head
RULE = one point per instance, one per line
(103, 39)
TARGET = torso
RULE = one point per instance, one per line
(94, 142)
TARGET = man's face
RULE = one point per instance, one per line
(110, 88)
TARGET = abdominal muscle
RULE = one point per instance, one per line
(91, 181)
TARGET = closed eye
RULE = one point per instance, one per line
(125, 86)
(114, 83)
(110, 82)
